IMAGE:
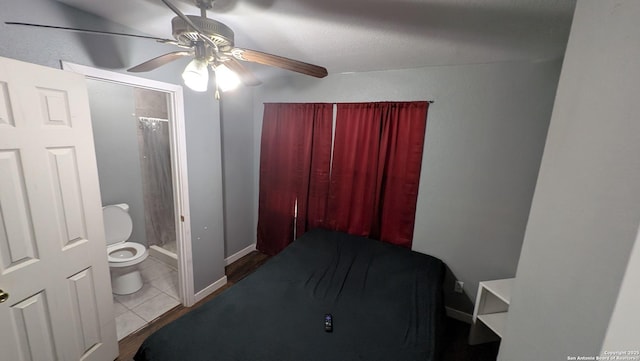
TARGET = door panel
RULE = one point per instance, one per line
(33, 325)
(85, 308)
(6, 115)
(53, 259)
(68, 198)
(54, 105)
(17, 243)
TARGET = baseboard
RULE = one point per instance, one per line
(210, 289)
(241, 253)
(459, 315)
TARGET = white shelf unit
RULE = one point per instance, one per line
(490, 312)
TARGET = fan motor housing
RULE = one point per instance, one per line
(221, 34)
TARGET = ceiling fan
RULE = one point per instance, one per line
(211, 44)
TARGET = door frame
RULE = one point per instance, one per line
(179, 173)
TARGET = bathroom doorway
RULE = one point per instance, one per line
(141, 156)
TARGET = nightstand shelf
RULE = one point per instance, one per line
(490, 313)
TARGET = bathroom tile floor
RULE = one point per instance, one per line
(158, 295)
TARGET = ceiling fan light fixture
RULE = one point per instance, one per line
(226, 79)
(196, 75)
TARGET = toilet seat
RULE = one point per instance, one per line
(118, 228)
(123, 256)
(126, 254)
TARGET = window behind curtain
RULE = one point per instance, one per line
(373, 186)
(376, 169)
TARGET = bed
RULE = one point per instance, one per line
(386, 304)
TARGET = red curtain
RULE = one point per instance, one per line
(295, 153)
(376, 169)
(352, 203)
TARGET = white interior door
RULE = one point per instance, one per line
(53, 263)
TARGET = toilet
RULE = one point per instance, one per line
(123, 256)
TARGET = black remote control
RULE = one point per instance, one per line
(328, 322)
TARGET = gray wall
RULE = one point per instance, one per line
(484, 141)
(48, 47)
(205, 187)
(117, 155)
(237, 155)
(622, 331)
(586, 208)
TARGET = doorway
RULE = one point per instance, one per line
(141, 155)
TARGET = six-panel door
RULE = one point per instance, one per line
(53, 259)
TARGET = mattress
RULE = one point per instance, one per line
(386, 304)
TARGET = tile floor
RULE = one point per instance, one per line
(158, 295)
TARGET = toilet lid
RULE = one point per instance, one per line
(117, 224)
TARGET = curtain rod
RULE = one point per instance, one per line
(150, 119)
(383, 101)
(390, 101)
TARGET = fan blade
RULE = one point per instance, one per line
(159, 61)
(90, 31)
(245, 74)
(190, 23)
(279, 61)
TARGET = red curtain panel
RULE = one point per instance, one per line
(352, 201)
(376, 169)
(399, 163)
(294, 164)
(315, 163)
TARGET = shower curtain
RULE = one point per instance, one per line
(155, 161)
(157, 184)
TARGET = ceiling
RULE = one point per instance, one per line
(366, 35)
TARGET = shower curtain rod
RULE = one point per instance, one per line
(150, 119)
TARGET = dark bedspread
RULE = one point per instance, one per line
(385, 301)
